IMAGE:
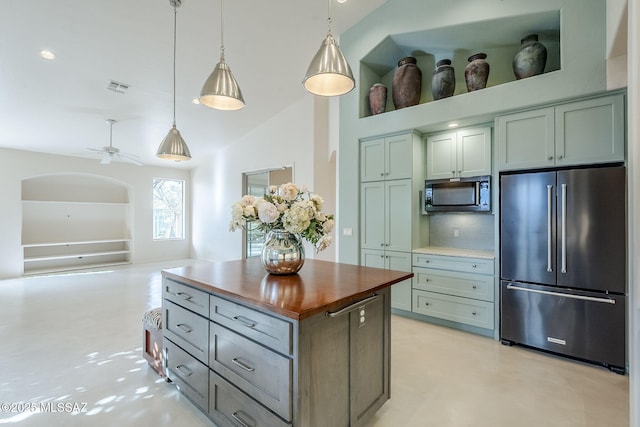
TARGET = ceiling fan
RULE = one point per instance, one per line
(112, 153)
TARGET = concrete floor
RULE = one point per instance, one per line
(70, 355)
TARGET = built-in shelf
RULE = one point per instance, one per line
(72, 222)
(498, 38)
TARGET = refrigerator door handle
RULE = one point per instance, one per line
(562, 294)
(549, 213)
(563, 262)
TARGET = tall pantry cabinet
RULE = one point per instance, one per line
(391, 182)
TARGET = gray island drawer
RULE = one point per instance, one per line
(267, 330)
(191, 376)
(261, 373)
(186, 296)
(230, 407)
(187, 329)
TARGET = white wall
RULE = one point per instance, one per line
(296, 136)
(16, 165)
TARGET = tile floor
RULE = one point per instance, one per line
(75, 340)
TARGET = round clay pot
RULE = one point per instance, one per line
(378, 98)
(407, 83)
(530, 59)
(443, 82)
(476, 72)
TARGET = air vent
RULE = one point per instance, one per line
(117, 87)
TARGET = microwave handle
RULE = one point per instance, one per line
(477, 193)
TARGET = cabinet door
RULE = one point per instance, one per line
(397, 207)
(590, 131)
(526, 140)
(398, 155)
(372, 258)
(369, 358)
(372, 163)
(400, 292)
(372, 213)
(441, 156)
(473, 152)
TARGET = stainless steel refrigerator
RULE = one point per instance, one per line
(563, 262)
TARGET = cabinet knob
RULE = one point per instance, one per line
(453, 172)
(427, 280)
(474, 266)
(474, 287)
(426, 303)
(550, 158)
(473, 312)
(460, 171)
(560, 157)
(381, 244)
(381, 173)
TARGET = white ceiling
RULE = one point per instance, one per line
(61, 106)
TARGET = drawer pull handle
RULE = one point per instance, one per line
(185, 296)
(246, 367)
(246, 322)
(473, 312)
(185, 328)
(184, 370)
(353, 306)
(236, 416)
(426, 303)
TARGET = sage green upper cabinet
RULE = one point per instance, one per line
(459, 154)
(581, 132)
(386, 158)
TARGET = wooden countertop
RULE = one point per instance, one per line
(319, 286)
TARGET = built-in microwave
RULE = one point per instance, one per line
(457, 195)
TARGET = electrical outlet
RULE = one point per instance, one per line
(456, 232)
(347, 232)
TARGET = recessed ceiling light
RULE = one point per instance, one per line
(342, 1)
(196, 101)
(453, 125)
(47, 54)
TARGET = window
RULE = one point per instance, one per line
(168, 208)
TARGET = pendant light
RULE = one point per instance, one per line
(329, 73)
(221, 90)
(173, 146)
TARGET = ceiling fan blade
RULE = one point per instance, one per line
(95, 149)
(130, 158)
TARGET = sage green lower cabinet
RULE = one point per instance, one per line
(392, 260)
(458, 289)
(265, 369)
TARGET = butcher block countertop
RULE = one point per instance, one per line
(318, 287)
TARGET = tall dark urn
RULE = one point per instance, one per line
(407, 83)
(476, 73)
(443, 82)
(530, 59)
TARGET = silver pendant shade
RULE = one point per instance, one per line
(221, 90)
(173, 147)
(329, 73)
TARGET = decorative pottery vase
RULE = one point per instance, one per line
(407, 83)
(530, 59)
(282, 253)
(443, 82)
(476, 72)
(378, 98)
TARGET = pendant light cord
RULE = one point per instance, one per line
(221, 30)
(175, 19)
(329, 17)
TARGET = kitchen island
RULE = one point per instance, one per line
(249, 348)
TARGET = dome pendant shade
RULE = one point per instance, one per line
(221, 90)
(329, 73)
(173, 147)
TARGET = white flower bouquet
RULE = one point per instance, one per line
(287, 208)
